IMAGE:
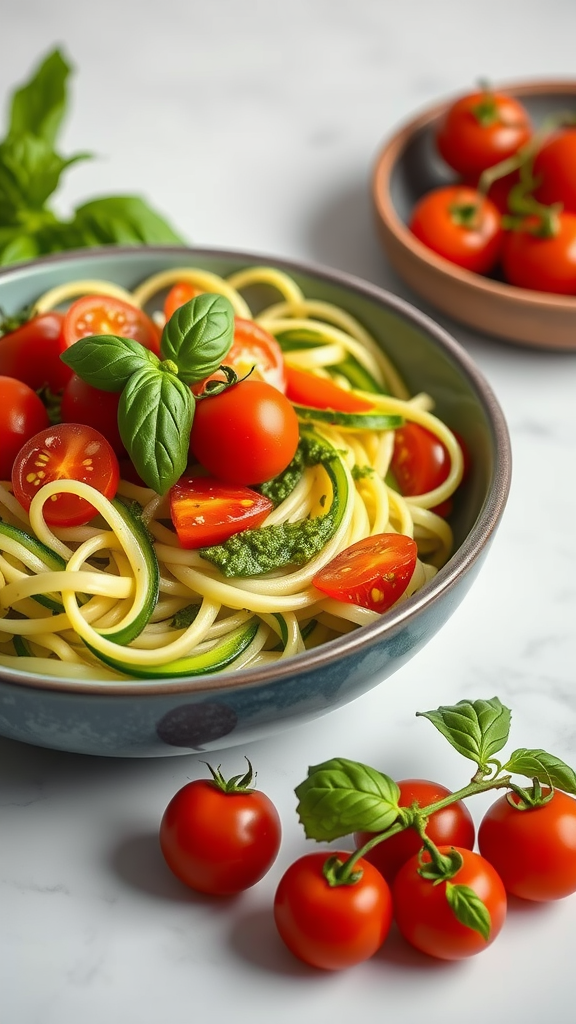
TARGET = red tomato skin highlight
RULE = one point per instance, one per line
(533, 851)
(320, 393)
(469, 147)
(219, 843)
(451, 826)
(81, 403)
(179, 293)
(62, 452)
(425, 918)
(31, 353)
(22, 414)
(245, 435)
(205, 511)
(373, 573)
(554, 165)
(476, 248)
(332, 927)
(542, 264)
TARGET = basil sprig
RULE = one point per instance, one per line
(156, 408)
(30, 171)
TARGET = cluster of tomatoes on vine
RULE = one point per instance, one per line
(513, 210)
(413, 860)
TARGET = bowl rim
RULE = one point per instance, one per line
(393, 621)
(387, 157)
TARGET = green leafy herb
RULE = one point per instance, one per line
(30, 172)
(198, 336)
(477, 729)
(310, 452)
(341, 796)
(253, 552)
(155, 416)
(469, 909)
(537, 764)
(106, 361)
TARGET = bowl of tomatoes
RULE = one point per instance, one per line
(476, 209)
(236, 492)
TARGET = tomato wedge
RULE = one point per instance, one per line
(253, 352)
(31, 353)
(103, 314)
(304, 388)
(179, 293)
(67, 451)
(373, 572)
(206, 511)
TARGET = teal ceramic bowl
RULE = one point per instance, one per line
(151, 718)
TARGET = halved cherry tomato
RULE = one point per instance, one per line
(102, 314)
(481, 129)
(31, 353)
(542, 263)
(254, 351)
(373, 572)
(320, 393)
(554, 165)
(245, 435)
(461, 225)
(22, 414)
(450, 826)
(179, 293)
(67, 451)
(206, 511)
(81, 403)
(420, 462)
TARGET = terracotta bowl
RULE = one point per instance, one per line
(139, 718)
(406, 167)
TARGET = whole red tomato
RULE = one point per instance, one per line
(461, 225)
(22, 415)
(245, 435)
(545, 263)
(425, 917)
(533, 850)
(481, 129)
(81, 403)
(450, 826)
(332, 926)
(555, 165)
(31, 352)
(219, 837)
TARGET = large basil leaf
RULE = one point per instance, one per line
(198, 336)
(155, 416)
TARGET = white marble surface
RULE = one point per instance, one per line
(254, 125)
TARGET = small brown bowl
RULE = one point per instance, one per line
(409, 165)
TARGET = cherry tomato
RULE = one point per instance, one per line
(31, 353)
(102, 314)
(450, 826)
(219, 842)
(245, 435)
(320, 393)
(554, 164)
(179, 293)
(22, 414)
(67, 451)
(332, 927)
(499, 191)
(546, 264)
(81, 403)
(425, 918)
(461, 225)
(481, 129)
(255, 347)
(206, 511)
(420, 463)
(373, 573)
(533, 850)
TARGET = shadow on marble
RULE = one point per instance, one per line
(137, 861)
(253, 938)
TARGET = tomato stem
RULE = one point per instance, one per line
(237, 784)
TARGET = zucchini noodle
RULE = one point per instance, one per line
(120, 598)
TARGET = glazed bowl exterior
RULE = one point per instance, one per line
(407, 166)
(141, 718)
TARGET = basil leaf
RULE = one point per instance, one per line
(538, 764)
(19, 246)
(122, 220)
(155, 416)
(198, 336)
(106, 361)
(30, 171)
(477, 729)
(341, 796)
(469, 909)
(39, 106)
